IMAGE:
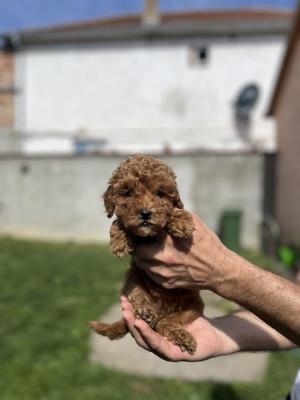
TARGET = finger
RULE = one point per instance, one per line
(125, 304)
(149, 250)
(164, 277)
(168, 278)
(156, 278)
(146, 264)
(133, 331)
(181, 284)
(155, 268)
(129, 317)
(150, 270)
(158, 268)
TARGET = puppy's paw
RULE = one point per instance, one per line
(148, 315)
(186, 342)
(178, 335)
(181, 224)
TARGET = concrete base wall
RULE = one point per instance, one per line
(59, 198)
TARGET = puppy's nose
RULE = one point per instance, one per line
(145, 213)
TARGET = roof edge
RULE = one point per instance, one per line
(166, 17)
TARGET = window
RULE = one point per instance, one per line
(202, 54)
(199, 55)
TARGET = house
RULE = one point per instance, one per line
(285, 107)
(152, 83)
(192, 88)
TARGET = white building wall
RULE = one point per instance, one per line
(147, 95)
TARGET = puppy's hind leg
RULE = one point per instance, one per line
(113, 331)
(177, 335)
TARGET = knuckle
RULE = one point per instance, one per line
(142, 344)
(166, 285)
(168, 258)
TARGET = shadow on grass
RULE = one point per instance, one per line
(223, 391)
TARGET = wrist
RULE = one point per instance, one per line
(227, 281)
(244, 331)
(226, 343)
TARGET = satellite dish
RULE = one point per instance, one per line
(246, 100)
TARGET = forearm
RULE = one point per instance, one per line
(272, 298)
(243, 331)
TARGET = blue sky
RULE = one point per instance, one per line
(26, 14)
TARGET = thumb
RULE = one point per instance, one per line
(152, 338)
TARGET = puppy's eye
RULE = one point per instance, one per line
(160, 193)
(126, 193)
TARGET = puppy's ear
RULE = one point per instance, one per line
(177, 200)
(108, 201)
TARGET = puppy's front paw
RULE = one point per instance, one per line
(181, 224)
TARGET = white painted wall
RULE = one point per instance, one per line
(143, 96)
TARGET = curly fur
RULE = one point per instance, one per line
(144, 184)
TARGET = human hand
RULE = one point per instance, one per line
(208, 337)
(241, 331)
(194, 263)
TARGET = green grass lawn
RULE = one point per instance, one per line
(47, 293)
